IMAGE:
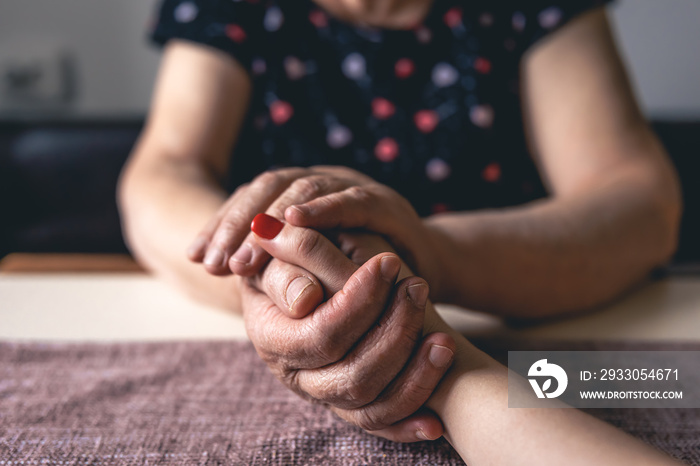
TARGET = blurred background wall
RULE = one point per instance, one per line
(75, 83)
(113, 66)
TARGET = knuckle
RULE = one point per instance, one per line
(225, 235)
(324, 389)
(234, 218)
(318, 385)
(270, 339)
(308, 243)
(240, 190)
(356, 394)
(417, 392)
(326, 349)
(308, 187)
(268, 178)
(410, 330)
(340, 386)
(360, 194)
(290, 378)
(368, 419)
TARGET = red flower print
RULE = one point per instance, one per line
(492, 172)
(318, 19)
(382, 108)
(236, 33)
(386, 150)
(440, 208)
(453, 17)
(426, 120)
(281, 112)
(482, 65)
(404, 68)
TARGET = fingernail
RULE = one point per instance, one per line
(389, 267)
(194, 248)
(421, 435)
(266, 226)
(295, 289)
(440, 356)
(244, 255)
(418, 294)
(214, 257)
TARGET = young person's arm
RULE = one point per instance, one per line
(472, 402)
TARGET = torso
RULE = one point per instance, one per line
(433, 111)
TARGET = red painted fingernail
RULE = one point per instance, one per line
(266, 226)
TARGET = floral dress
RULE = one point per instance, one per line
(433, 111)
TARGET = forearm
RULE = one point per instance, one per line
(472, 402)
(164, 204)
(557, 255)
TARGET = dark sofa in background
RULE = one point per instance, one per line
(58, 179)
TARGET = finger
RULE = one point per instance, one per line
(359, 378)
(411, 389)
(355, 207)
(295, 291)
(305, 248)
(418, 427)
(359, 247)
(344, 172)
(250, 257)
(373, 207)
(233, 225)
(198, 248)
(333, 329)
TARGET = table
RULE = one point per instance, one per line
(109, 299)
(140, 373)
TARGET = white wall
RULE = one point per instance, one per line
(660, 39)
(116, 66)
(661, 43)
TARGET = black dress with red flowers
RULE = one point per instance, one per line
(433, 112)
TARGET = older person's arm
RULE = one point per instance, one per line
(172, 183)
(615, 205)
(612, 217)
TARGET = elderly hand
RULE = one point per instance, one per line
(362, 351)
(225, 245)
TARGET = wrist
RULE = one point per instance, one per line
(472, 371)
(442, 254)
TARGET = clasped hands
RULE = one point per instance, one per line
(337, 316)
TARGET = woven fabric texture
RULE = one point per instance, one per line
(207, 403)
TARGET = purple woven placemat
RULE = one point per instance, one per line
(210, 403)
